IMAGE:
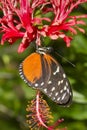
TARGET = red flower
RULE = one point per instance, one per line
(25, 19)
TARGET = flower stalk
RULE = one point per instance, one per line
(39, 114)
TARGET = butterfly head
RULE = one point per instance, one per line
(43, 50)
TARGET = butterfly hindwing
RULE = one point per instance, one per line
(57, 87)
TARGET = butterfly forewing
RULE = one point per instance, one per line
(34, 71)
(57, 87)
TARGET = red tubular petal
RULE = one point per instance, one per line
(21, 16)
(67, 40)
(22, 47)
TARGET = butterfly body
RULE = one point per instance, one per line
(41, 71)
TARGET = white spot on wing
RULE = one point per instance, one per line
(63, 96)
(61, 91)
(45, 90)
(20, 66)
(22, 76)
(50, 94)
(53, 88)
(65, 87)
(42, 84)
(49, 82)
(20, 72)
(64, 76)
(67, 90)
(61, 81)
(66, 83)
(20, 69)
(58, 98)
(58, 83)
(53, 98)
(25, 80)
(56, 93)
(70, 93)
(57, 70)
(36, 85)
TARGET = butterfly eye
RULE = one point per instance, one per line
(49, 49)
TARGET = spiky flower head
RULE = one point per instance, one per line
(39, 115)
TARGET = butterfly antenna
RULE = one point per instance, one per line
(65, 59)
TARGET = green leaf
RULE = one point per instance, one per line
(79, 98)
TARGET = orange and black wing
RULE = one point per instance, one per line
(58, 87)
(43, 72)
(34, 70)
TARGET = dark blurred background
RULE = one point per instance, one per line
(14, 93)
